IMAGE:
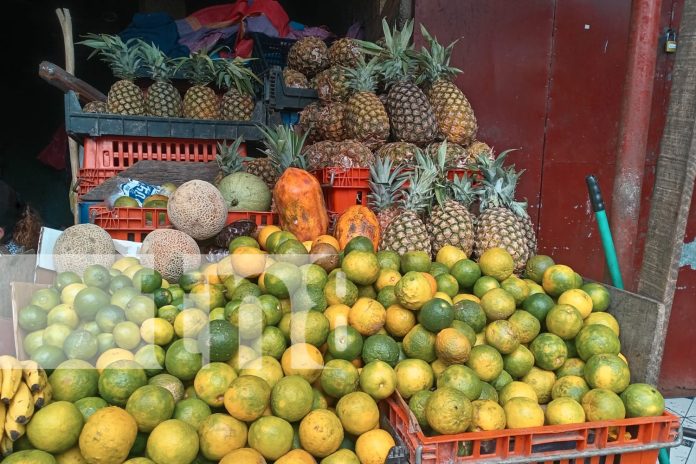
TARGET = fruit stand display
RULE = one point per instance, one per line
(410, 319)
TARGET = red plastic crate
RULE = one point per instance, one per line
(105, 157)
(344, 187)
(637, 441)
(135, 223)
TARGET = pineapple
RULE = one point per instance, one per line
(365, 117)
(453, 113)
(456, 156)
(124, 59)
(386, 181)
(411, 116)
(503, 222)
(308, 121)
(309, 56)
(450, 222)
(407, 231)
(239, 101)
(344, 52)
(479, 148)
(345, 154)
(95, 107)
(329, 124)
(399, 152)
(332, 85)
(200, 101)
(295, 79)
(228, 159)
(162, 99)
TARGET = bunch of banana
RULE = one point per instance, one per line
(24, 388)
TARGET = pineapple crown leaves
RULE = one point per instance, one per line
(499, 184)
(436, 165)
(124, 58)
(435, 62)
(235, 73)
(284, 147)
(463, 190)
(199, 68)
(419, 195)
(228, 157)
(157, 64)
(386, 181)
(363, 78)
(396, 57)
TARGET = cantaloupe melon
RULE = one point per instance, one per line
(171, 252)
(198, 209)
(82, 245)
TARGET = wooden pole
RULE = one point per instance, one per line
(66, 25)
(674, 178)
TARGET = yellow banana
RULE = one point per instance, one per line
(21, 407)
(43, 397)
(13, 429)
(31, 375)
(11, 377)
(6, 446)
(3, 411)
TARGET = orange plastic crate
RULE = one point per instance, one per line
(638, 441)
(344, 187)
(105, 157)
(135, 223)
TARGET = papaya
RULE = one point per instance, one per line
(357, 221)
(300, 204)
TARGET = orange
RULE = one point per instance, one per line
(378, 380)
(247, 398)
(448, 255)
(373, 447)
(413, 375)
(358, 413)
(516, 389)
(465, 296)
(327, 239)
(557, 279)
(522, 413)
(321, 433)
(578, 299)
(296, 456)
(243, 456)
(271, 436)
(452, 346)
(487, 415)
(564, 411)
(386, 278)
(304, 360)
(399, 320)
(211, 274)
(337, 315)
(443, 296)
(264, 233)
(541, 382)
(497, 263)
(367, 316)
(431, 281)
(248, 262)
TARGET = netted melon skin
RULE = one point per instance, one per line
(82, 245)
(170, 252)
(198, 209)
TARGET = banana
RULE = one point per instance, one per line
(3, 411)
(11, 377)
(43, 397)
(13, 429)
(6, 446)
(22, 405)
(31, 375)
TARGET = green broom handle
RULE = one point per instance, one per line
(604, 231)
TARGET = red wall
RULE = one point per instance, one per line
(547, 77)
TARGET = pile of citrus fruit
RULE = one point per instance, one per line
(281, 352)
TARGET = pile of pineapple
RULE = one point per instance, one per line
(136, 58)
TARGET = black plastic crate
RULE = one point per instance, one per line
(81, 124)
(269, 51)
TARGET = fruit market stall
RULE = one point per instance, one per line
(365, 287)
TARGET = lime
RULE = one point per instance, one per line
(63, 279)
(282, 279)
(292, 251)
(436, 315)
(162, 297)
(168, 313)
(183, 359)
(147, 280)
(537, 265)
(118, 283)
(242, 241)
(437, 269)
(447, 284)
(108, 316)
(89, 301)
(55, 335)
(151, 357)
(389, 260)
(599, 294)
(126, 335)
(344, 342)
(249, 319)
(466, 272)
(472, 313)
(46, 298)
(276, 239)
(49, 357)
(359, 243)
(270, 306)
(538, 305)
(32, 318)
(418, 261)
(309, 327)
(272, 343)
(122, 296)
(106, 342)
(81, 345)
(219, 342)
(140, 308)
(387, 296)
(96, 275)
(484, 284)
(380, 348)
